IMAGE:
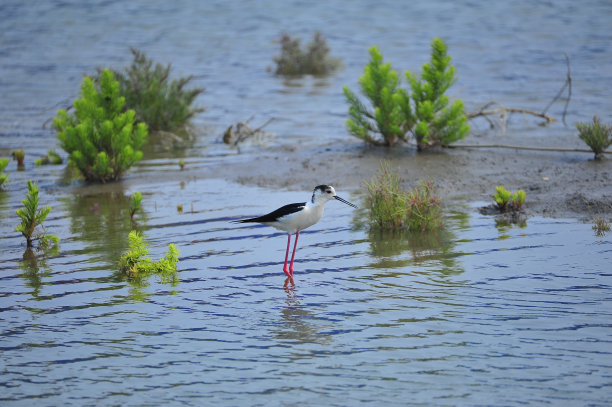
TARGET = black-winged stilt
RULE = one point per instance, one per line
(296, 217)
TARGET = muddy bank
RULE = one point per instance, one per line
(559, 185)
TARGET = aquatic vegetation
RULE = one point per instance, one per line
(508, 201)
(314, 60)
(137, 266)
(161, 103)
(4, 162)
(19, 156)
(390, 207)
(601, 227)
(135, 203)
(596, 135)
(182, 164)
(51, 158)
(101, 139)
(31, 217)
(425, 111)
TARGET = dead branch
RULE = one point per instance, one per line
(555, 149)
(242, 131)
(567, 84)
(501, 113)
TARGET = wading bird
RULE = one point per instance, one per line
(296, 217)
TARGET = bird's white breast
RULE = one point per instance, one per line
(299, 221)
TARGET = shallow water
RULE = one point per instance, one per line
(478, 315)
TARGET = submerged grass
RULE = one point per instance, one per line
(138, 267)
(391, 208)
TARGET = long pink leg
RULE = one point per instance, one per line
(287, 256)
(297, 234)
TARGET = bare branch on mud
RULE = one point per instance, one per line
(501, 114)
(242, 131)
(567, 84)
(563, 150)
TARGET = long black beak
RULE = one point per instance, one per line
(345, 201)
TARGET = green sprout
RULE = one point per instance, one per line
(3, 177)
(31, 217)
(518, 199)
(135, 204)
(502, 197)
(19, 156)
(51, 158)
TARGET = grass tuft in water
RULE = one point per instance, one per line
(314, 60)
(19, 156)
(391, 208)
(508, 201)
(596, 135)
(601, 227)
(31, 217)
(138, 267)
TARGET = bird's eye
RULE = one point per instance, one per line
(328, 191)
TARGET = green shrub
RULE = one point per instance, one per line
(161, 103)
(138, 266)
(390, 104)
(51, 158)
(437, 123)
(315, 60)
(596, 135)
(135, 203)
(31, 217)
(3, 177)
(390, 207)
(518, 199)
(100, 138)
(425, 112)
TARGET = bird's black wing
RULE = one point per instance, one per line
(277, 214)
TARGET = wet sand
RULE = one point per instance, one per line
(558, 184)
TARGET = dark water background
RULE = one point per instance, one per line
(478, 315)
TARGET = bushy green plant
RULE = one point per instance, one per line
(31, 217)
(314, 60)
(390, 104)
(51, 158)
(390, 207)
(437, 123)
(596, 135)
(425, 112)
(506, 200)
(3, 177)
(135, 203)
(163, 104)
(101, 139)
(138, 266)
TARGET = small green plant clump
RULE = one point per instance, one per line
(596, 135)
(314, 60)
(31, 217)
(391, 208)
(138, 266)
(161, 103)
(4, 162)
(135, 204)
(424, 111)
(51, 158)
(101, 139)
(505, 200)
(601, 227)
(19, 156)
